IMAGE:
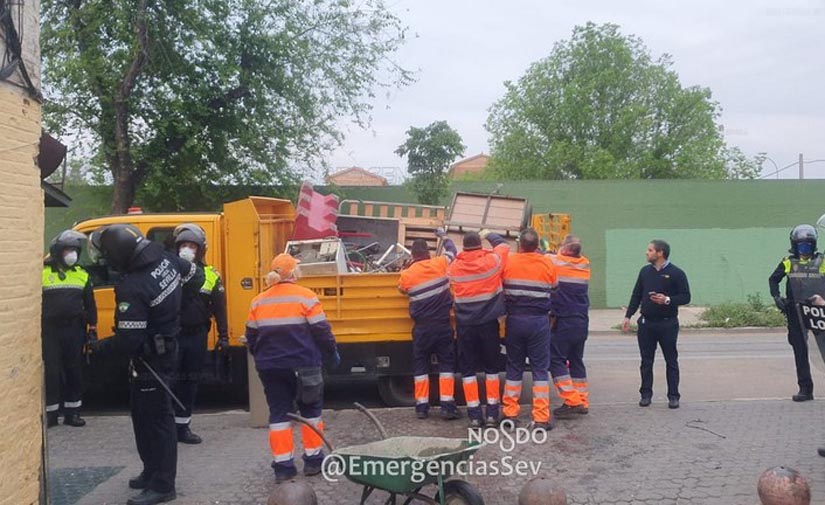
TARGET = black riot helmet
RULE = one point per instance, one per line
(64, 240)
(190, 232)
(118, 244)
(803, 240)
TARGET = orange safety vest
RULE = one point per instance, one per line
(528, 279)
(475, 277)
(571, 297)
(427, 285)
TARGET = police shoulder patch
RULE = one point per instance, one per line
(123, 306)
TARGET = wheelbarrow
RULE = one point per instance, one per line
(402, 466)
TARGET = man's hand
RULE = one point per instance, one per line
(440, 232)
(781, 303)
(222, 344)
(91, 334)
(816, 300)
(483, 233)
(626, 325)
(334, 360)
(658, 298)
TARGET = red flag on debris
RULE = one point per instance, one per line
(316, 215)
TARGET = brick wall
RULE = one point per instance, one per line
(21, 225)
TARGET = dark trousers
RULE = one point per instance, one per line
(479, 351)
(528, 337)
(190, 359)
(283, 392)
(429, 339)
(664, 333)
(63, 360)
(153, 421)
(798, 341)
(567, 347)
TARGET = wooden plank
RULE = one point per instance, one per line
(383, 210)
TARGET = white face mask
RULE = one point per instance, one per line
(187, 253)
(70, 258)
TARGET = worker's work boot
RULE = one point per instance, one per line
(74, 419)
(450, 414)
(422, 414)
(51, 419)
(150, 497)
(803, 396)
(644, 402)
(510, 423)
(476, 423)
(281, 477)
(139, 482)
(542, 426)
(313, 468)
(185, 435)
(569, 412)
(821, 451)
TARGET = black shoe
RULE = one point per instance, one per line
(74, 420)
(283, 477)
(476, 423)
(644, 402)
(491, 422)
(536, 426)
(569, 412)
(422, 414)
(802, 396)
(310, 469)
(673, 403)
(149, 497)
(450, 415)
(139, 482)
(185, 435)
(510, 423)
(51, 419)
(821, 451)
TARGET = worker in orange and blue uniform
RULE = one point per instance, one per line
(528, 278)
(569, 305)
(475, 277)
(426, 283)
(288, 335)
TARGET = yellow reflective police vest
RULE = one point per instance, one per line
(74, 278)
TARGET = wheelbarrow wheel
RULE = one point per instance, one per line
(396, 390)
(459, 492)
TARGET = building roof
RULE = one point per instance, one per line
(357, 170)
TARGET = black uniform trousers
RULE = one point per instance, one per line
(153, 421)
(664, 333)
(63, 361)
(189, 364)
(797, 339)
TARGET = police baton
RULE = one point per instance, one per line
(163, 384)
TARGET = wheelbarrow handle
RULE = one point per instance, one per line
(311, 426)
(372, 418)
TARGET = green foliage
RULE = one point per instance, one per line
(753, 313)
(429, 152)
(223, 91)
(600, 107)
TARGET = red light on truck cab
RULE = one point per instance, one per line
(134, 210)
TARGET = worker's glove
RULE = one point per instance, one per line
(781, 303)
(440, 232)
(94, 346)
(222, 345)
(483, 233)
(91, 336)
(334, 360)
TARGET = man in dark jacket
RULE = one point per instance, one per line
(660, 288)
(147, 322)
(69, 319)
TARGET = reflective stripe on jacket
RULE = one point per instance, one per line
(475, 277)
(287, 328)
(427, 285)
(570, 297)
(69, 298)
(528, 279)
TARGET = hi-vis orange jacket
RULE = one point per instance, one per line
(428, 287)
(475, 277)
(528, 280)
(287, 328)
(571, 298)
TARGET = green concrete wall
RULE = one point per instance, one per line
(705, 221)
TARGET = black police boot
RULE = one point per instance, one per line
(185, 435)
(139, 482)
(150, 497)
(74, 419)
(673, 403)
(644, 402)
(51, 419)
(803, 396)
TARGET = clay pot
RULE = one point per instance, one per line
(783, 486)
(541, 491)
(294, 492)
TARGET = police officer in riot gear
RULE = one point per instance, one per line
(148, 300)
(195, 320)
(805, 270)
(69, 319)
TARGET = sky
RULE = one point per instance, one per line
(763, 61)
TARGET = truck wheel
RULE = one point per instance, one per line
(459, 492)
(396, 390)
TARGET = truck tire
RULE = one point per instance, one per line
(396, 390)
(460, 492)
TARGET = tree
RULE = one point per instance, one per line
(429, 152)
(600, 107)
(176, 96)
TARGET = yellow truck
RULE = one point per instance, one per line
(369, 316)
